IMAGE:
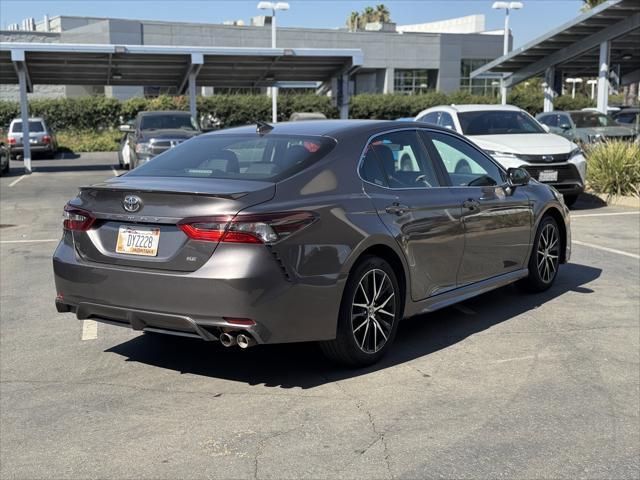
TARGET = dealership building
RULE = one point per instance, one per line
(405, 59)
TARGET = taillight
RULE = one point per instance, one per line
(76, 219)
(46, 139)
(11, 140)
(259, 228)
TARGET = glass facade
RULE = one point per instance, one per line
(414, 81)
(478, 86)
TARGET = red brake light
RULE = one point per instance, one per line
(259, 228)
(76, 219)
(11, 140)
(46, 139)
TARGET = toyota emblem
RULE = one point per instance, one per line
(132, 203)
(547, 158)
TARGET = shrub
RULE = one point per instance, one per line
(614, 168)
(106, 140)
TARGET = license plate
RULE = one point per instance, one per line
(548, 176)
(138, 241)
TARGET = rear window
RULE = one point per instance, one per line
(246, 157)
(498, 122)
(33, 127)
(167, 122)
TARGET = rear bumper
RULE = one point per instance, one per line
(35, 148)
(238, 281)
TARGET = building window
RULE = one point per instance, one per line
(478, 86)
(414, 81)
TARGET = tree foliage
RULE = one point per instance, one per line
(358, 20)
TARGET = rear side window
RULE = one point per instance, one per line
(398, 160)
(246, 157)
(34, 127)
(431, 118)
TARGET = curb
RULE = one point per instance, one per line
(620, 201)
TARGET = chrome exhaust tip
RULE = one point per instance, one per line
(245, 341)
(228, 340)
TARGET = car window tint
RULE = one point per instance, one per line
(446, 121)
(404, 160)
(248, 157)
(465, 165)
(431, 117)
(34, 127)
(370, 168)
(549, 120)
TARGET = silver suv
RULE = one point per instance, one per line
(41, 138)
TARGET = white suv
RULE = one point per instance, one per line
(515, 139)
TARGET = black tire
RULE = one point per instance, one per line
(543, 269)
(569, 200)
(350, 347)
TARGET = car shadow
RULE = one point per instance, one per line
(588, 201)
(302, 365)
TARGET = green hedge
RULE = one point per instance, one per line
(98, 113)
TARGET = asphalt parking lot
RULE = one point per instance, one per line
(504, 385)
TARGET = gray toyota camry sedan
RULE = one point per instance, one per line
(327, 231)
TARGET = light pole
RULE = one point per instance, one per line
(573, 82)
(593, 84)
(273, 6)
(507, 7)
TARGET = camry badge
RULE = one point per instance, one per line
(132, 203)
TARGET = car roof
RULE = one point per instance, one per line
(484, 107)
(329, 127)
(31, 119)
(151, 113)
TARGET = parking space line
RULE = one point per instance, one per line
(89, 330)
(17, 180)
(604, 214)
(44, 240)
(606, 249)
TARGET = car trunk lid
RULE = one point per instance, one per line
(161, 204)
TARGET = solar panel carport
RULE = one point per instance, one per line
(605, 38)
(29, 64)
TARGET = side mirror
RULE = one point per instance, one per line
(565, 126)
(126, 128)
(517, 177)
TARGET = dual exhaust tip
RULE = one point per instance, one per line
(242, 340)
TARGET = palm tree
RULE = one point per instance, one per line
(382, 13)
(353, 21)
(369, 15)
(589, 4)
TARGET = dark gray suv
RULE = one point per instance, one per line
(331, 231)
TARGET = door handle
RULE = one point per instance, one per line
(471, 204)
(396, 209)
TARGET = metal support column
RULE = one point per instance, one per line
(343, 97)
(603, 76)
(24, 114)
(549, 90)
(274, 104)
(192, 96)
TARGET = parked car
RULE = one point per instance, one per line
(309, 231)
(585, 126)
(153, 133)
(629, 117)
(5, 156)
(42, 140)
(300, 116)
(514, 139)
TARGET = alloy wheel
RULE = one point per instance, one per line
(548, 253)
(373, 311)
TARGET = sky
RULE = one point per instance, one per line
(537, 17)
